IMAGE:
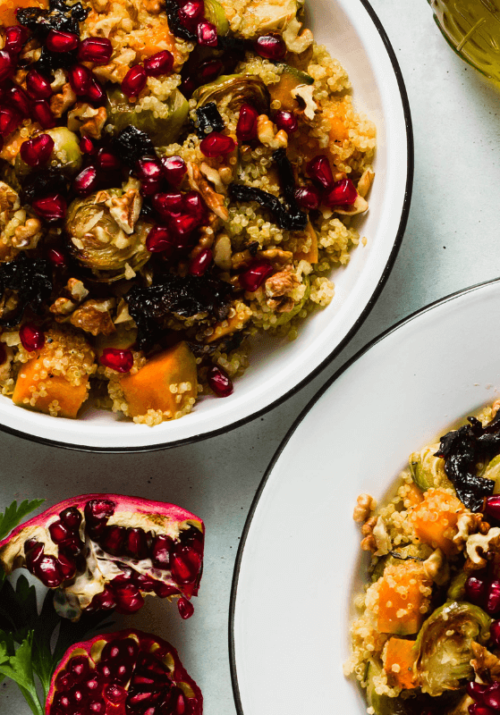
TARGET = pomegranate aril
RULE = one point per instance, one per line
(476, 709)
(98, 510)
(116, 359)
(307, 197)
(7, 64)
(150, 187)
(186, 609)
(115, 693)
(343, 193)
(159, 64)
(160, 551)
(86, 181)
(216, 144)
(207, 34)
(492, 507)
(87, 145)
(246, 129)
(50, 208)
(78, 666)
(174, 169)
(475, 590)
(144, 583)
(95, 49)
(255, 275)
(10, 119)
(15, 38)
(191, 13)
(149, 170)
(168, 204)
(58, 41)
(42, 113)
(65, 681)
(112, 539)
(186, 564)
(271, 47)
(104, 601)
(48, 572)
(37, 151)
(136, 544)
(201, 262)
(32, 338)
(37, 85)
(129, 600)
(106, 161)
(493, 597)
(188, 85)
(219, 382)
(495, 633)
(320, 171)
(66, 566)
(80, 78)
(34, 553)
(159, 240)
(134, 81)
(97, 707)
(491, 697)
(162, 590)
(93, 683)
(20, 100)
(209, 70)
(287, 121)
(59, 532)
(193, 204)
(183, 226)
(95, 92)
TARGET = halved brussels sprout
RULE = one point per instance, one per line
(300, 76)
(101, 241)
(66, 156)
(456, 589)
(427, 470)
(284, 318)
(163, 129)
(444, 646)
(236, 89)
(215, 13)
(492, 471)
(381, 704)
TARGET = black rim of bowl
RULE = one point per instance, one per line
(337, 350)
(255, 502)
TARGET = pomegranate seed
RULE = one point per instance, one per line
(150, 187)
(59, 532)
(207, 34)
(66, 566)
(162, 590)
(56, 258)
(475, 590)
(37, 85)
(255, 275)
(15, 37)
(136, 545)
(219, 382)
(95, 49)
(159, 240)
(186, 609)
(80, 79)
(495, 632)
(32, 338)
(168, 204)
(42, 113)
(20, 100)
(115, 693)
(160, 551)
(158, 64)
(476, 709)
(10, 119)
(64, 681)
(58, 41)
(188, 85)
(134, 81)
(86, 181)
(119, 360)
(343, 193)
(246, 129)
(493, 598)
(271, 47)
(216, 144)
(48, 572)
(129, 600)
(201, 262)
(287, 121)
(37, 151)
(307, 197)
(491, 697)
(104, 601)
(87, 146)
(95, 93)
(183, 226)
(476, 690)
(320, 172)
(107, 161)
(149, 170)
(193, 203)
(191, 13)
(7, 65)
(50, 208)
(209, 70)
(71, 517)
(492, 507)
(34, 556)
(174, 168)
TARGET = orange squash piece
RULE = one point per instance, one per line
(161, 381)
(312, 254)
(399, 663)
(226, 327)
(8, 9)
(400, 598)
(414, 496)
(282, 91)
(435, 519)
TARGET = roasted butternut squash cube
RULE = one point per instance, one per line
(311, 254)
(403, 593)
(167, 382)
(399, 663)
(435, 519)
(242, 314)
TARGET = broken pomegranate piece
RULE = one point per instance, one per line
(125, 672)
(106, 551)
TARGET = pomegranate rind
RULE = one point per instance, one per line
(149, 643)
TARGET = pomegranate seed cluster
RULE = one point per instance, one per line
(184, 187)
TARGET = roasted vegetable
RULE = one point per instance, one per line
(399, 663)
(444, 646)
(435, 519)
(235, 90)
(66, 156)
(427, 470)
(215, 13)
(290, 79)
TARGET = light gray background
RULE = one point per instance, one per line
(452, 241)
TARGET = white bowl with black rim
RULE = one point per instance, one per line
(299, 564)
(353, 34)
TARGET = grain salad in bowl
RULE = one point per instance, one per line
(176, 179)
(428, 637)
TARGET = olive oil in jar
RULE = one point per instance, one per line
(472, 28)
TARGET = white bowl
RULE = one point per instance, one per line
(354, 35)
(299, 563)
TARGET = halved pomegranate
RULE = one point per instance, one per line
(125, 672)
(106, 551)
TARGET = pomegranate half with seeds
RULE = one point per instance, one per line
(106, 551)
(126, 672)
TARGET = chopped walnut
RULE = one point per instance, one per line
(62, 307)
(77, 290)
(213, 176)
(28, 235)
(304, 95)
(222, 252)
(479, 545)
(467, 524)
(279, 288)
(61, 102)
(116, 70)
(87, 120)
(364, 507)
(382, 538)
(94, 317)
(365, 182)
(485, 664)
(214, 201)
(126, 209)
(73, 293)
(267, 134)
(122, 314)
(434, 564)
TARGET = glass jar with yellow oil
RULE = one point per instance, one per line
(472, 28)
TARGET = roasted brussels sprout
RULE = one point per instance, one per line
(215, 13)
(456, 589)
(427, 470)
(444, 646)
(66, 155)
(106, 234)
(162, 129)
(235, 90)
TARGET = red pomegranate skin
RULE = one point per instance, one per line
(161, 553)
(122, 673)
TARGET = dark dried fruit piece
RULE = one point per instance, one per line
(132, 144)
(208, 120)
(31, 280)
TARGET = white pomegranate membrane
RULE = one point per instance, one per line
(106, 551)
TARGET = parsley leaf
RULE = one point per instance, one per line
(17, 665)
(14, 514)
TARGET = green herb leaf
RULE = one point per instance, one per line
(17, 666)
(14, 514)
